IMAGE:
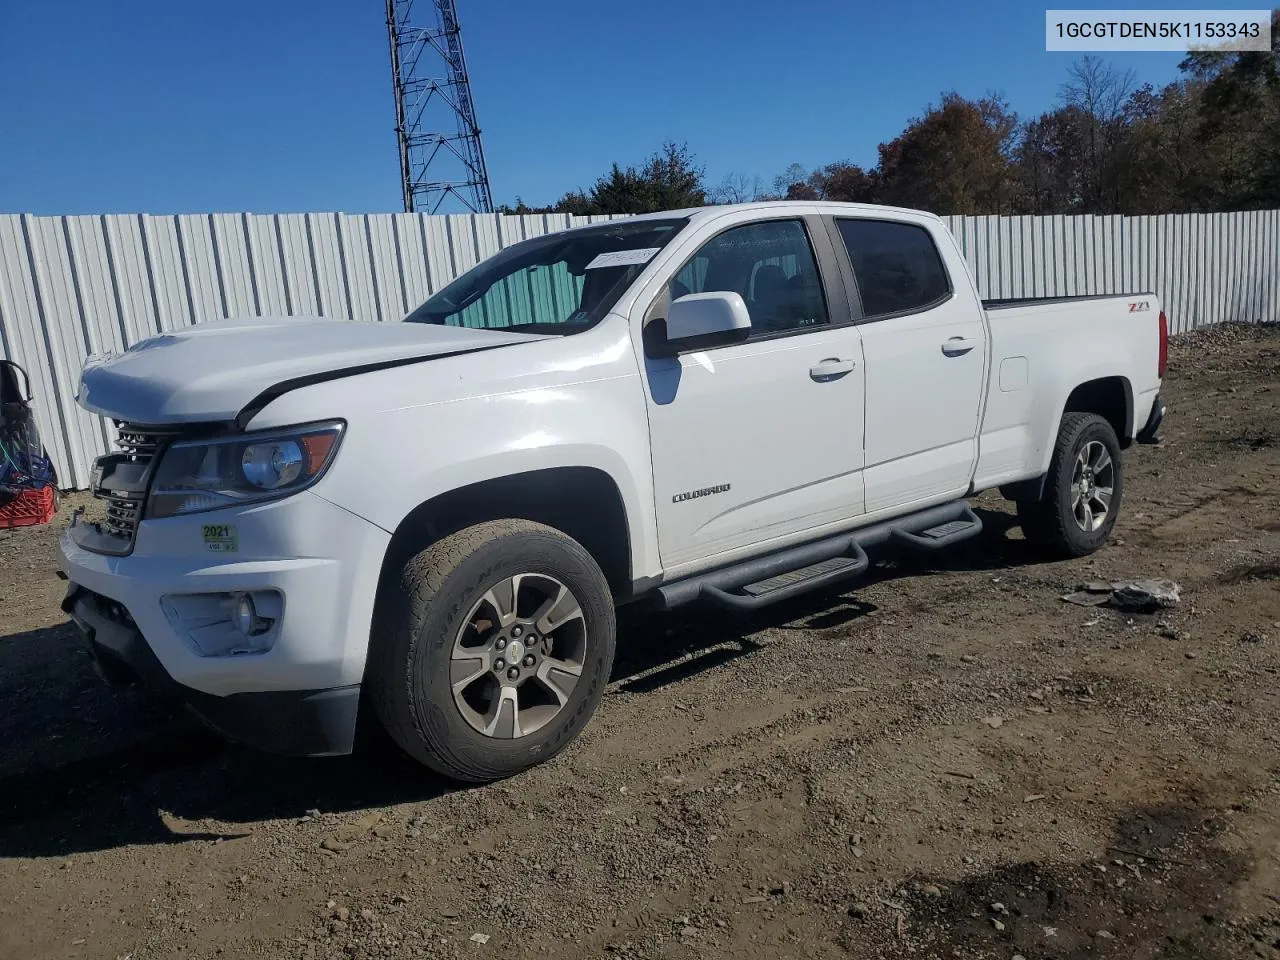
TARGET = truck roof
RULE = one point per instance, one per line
(715, 210)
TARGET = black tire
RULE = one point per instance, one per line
(1051, 523)
(421, 613)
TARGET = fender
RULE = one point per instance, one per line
(417, 431)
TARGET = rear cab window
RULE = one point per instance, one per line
(897, 266)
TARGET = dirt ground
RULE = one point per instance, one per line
(945, 761)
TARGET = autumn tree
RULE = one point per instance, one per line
(955, 159)
(1049, 163)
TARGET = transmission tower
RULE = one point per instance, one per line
(440, 152)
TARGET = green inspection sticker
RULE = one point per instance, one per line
(221, 538)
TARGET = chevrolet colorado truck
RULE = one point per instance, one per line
(437, 518)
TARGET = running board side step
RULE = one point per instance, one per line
(761, 581)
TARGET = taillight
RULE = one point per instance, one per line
(1164, 344)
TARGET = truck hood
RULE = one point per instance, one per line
(213, 371)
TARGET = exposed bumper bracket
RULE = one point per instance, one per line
(1150, 434)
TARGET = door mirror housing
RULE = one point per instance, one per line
(701, 320)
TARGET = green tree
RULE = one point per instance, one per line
(1240, 122)
(669, 180)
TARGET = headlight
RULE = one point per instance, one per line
(248, 468)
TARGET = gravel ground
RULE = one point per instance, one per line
(947, 761)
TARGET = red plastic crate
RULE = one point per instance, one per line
(30, 509)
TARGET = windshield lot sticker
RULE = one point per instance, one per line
(221, 538)
(622, 258)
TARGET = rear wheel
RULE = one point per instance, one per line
(492, 649)
(1082, 491)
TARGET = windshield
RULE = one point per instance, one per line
(562, 283)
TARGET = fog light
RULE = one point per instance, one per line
(226, 624)
(246, 616)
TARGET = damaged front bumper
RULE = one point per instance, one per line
(296, 722)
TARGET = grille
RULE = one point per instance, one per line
(122, 516)
(124, 512)
(136, 443)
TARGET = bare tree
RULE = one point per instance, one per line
(736, 188)
(1100, 91)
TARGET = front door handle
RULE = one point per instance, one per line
(833, 368)
(958, 346)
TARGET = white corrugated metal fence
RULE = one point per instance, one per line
(70, 286)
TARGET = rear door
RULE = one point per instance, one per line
(758, 441)
(924, 345)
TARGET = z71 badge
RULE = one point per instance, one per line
(221, 538)
(1139, 306)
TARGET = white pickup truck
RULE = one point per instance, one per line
(438, 517)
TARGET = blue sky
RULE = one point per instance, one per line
(285, 105)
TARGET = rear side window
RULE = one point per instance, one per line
(897, 266)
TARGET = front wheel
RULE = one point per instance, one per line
(1082, 490)
(492, 649)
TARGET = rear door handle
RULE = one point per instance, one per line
(958, 346)
(832, 368)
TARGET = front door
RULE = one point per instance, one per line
(758, 440)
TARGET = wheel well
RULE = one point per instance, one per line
(580, 501)
(1108, 397)
(1111, 399)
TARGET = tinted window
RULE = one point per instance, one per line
(560, 283)
(897, 266)
(770, 264)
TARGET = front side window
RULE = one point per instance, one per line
(897, 266)
(562, 283)
(770, 265)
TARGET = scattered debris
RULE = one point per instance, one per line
(334, 845)
(1145, 596)
(1138, 596)
(480, 938)
(995, 723)
(1032, 798)
(1083, 598)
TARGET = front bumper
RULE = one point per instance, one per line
(296, 722)
(298, 696)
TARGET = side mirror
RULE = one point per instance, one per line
(699, 320)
